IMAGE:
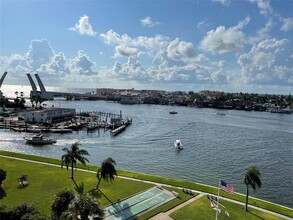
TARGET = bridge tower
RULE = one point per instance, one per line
(43, 93)
(1, 81)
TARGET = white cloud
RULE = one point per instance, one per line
(264, 6)
(268, 63)
(124, 51)
(82, 64)
(57, 66)
(222, 40)
(287, 24)
(151, 43)
(223, 2)
(84, 27)
(180, 50)
(147, 22)
(40, 52)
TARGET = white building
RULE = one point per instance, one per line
(50, 115)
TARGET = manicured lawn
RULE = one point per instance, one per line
(201, 209)
(45, 181)
(49, 185)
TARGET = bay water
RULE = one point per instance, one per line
(215, 146)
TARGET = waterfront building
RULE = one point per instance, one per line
(130, 98)
(50, 115)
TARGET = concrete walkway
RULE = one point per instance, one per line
(165, 215)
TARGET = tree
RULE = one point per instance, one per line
(107, 171)
(22, 179)
(2, 177)
(61, 203)
(72, 156)
(251, 178)
(76, 205)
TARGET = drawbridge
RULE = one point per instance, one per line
(48, 95)
(1, 81)
(42, 93)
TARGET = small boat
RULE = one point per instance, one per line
(60, 130)
(221, 113)
(173, 112)
(178, 145)
(38, 139)
(92, 125)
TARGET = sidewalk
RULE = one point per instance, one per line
(165, 215)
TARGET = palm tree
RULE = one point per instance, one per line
(72, 156)
(107, 171)
(251, 178)
(61, 203)
(76, 205)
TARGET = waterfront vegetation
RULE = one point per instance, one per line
(42, 178)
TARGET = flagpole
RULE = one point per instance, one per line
(218, 200)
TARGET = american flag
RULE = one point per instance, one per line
(227, 188)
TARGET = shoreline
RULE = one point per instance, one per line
(238, 197)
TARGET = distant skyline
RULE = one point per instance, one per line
(172, 45)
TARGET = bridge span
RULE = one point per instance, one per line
(50, 95)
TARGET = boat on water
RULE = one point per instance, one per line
(221, 113)
(38, 139)
(173, 112)
(178, 145)
(92, 125)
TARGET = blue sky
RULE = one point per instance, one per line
(226, 45)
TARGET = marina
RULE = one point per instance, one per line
(214, 147)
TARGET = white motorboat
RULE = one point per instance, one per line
(178, 145)
(38, 139)
(91, 125)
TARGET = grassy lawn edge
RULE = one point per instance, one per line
(173, 182)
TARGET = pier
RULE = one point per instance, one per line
(90, 121)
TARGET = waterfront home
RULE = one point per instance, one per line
(130, 98)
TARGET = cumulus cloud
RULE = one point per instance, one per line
(82, 64)
(151, 43)
(268, 62)
(124, 51)
(40, 52)
(264, 6)
(287, 24)
(223, 2)
(180, 50)
(147, 22)
(222, 40)
(56, 68)
(84, 27)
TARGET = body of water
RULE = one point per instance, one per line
(215, 146)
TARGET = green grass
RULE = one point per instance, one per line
(173, 182)
(46, 181)
(201, 209)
